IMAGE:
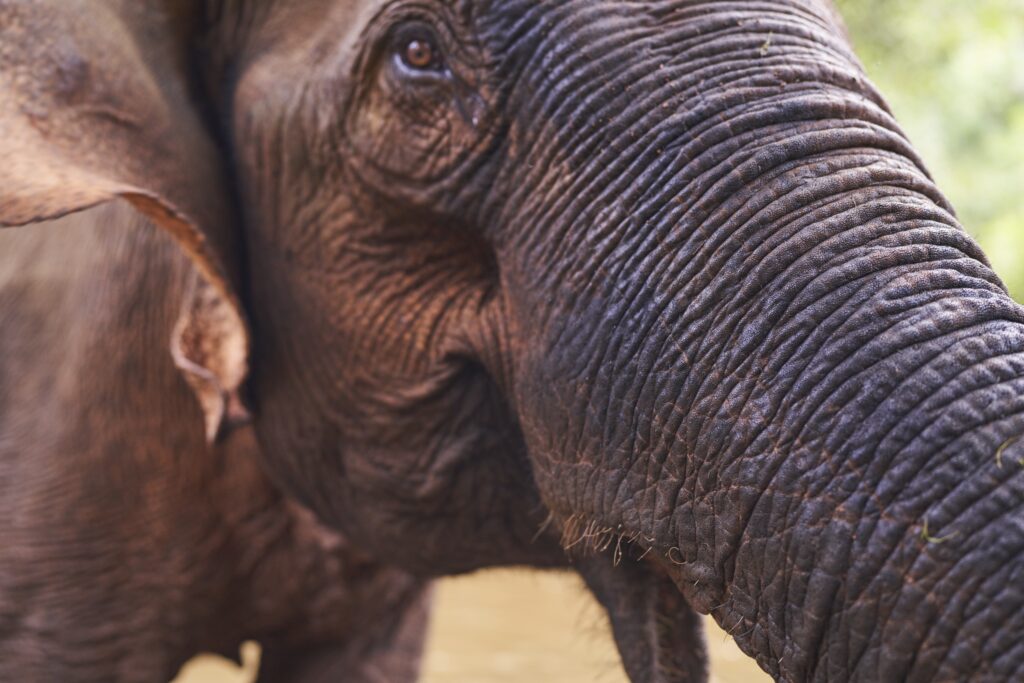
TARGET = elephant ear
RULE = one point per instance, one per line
(96, 105)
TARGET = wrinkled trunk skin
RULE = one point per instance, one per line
(754, 340)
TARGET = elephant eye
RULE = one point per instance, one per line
(420, 54)
(417, 49)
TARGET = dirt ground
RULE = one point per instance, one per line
(515, 627)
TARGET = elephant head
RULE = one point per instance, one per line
(661, 278)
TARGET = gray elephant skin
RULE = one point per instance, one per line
(657, 287)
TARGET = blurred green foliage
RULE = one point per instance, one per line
(953, 71)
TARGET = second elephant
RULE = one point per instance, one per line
(128, 544)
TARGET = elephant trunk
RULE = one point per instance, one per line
(833, 472)
(766, 354)
(816, 431)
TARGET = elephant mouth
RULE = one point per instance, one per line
(658, 632)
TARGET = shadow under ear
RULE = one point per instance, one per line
(95, 106)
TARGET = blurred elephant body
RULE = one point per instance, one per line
(128, 544)
(659, 283)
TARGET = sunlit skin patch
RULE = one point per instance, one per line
(380, 264)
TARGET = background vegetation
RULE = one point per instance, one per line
(953, 71)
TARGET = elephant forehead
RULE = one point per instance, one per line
(294, 43)
(305, 27)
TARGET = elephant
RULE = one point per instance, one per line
(129, 544)
(658, 288)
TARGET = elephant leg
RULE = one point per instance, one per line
(387, 652)
(659, 636)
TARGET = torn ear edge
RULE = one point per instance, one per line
(96, 105)
(211, 349)
(210, 342)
